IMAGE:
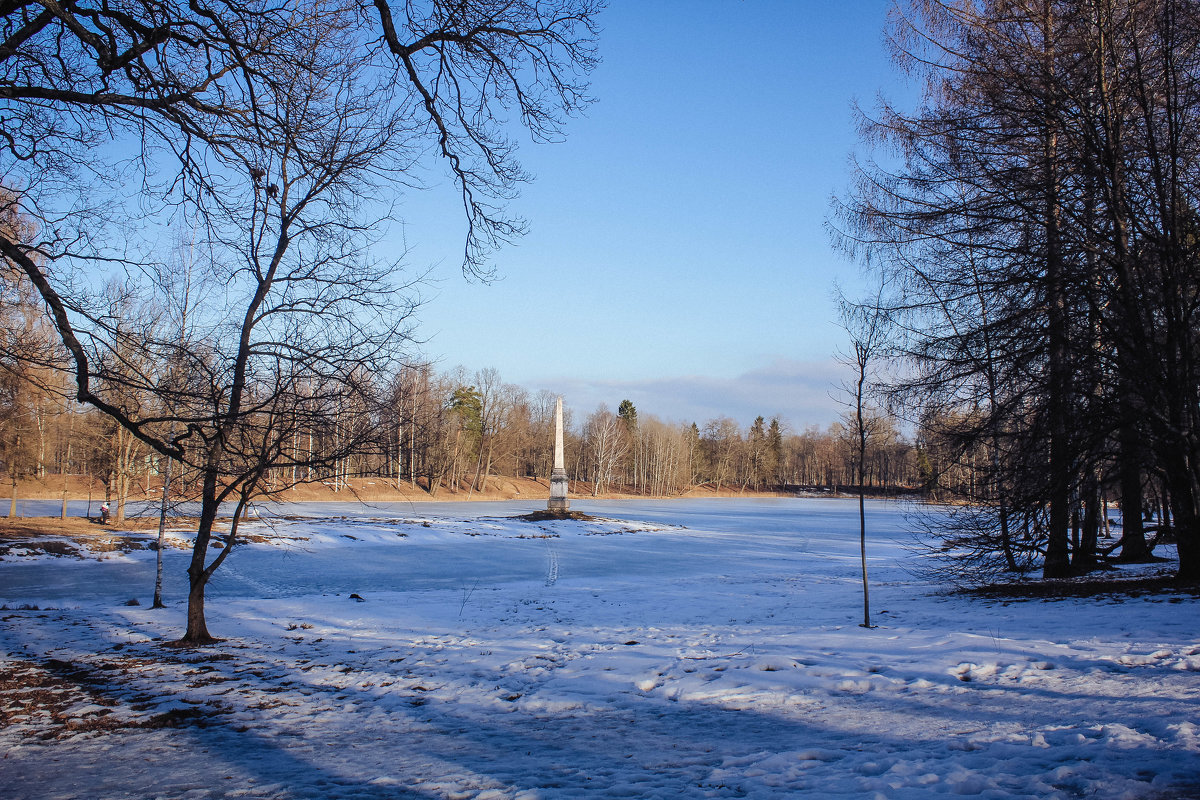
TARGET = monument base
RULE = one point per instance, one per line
(547, 516)
(558, 502)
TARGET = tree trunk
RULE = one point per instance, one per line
(122, 493)
(1185, 513)
(863, 354)
(487, 469)
(67, 462)
(1133, 533)
(1085, 557)
(197, 628)
(862, 549)
(162, 528)
(1057, 563)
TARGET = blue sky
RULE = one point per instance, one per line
(677, 253)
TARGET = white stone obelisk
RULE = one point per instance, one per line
(558, 475)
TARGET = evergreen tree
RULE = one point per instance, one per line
(774, 463)
(628, 413)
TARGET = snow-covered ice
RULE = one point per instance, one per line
(705, 648)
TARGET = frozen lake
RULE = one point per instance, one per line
(694, 538)
(694, 648)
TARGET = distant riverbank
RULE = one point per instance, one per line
(499, 487)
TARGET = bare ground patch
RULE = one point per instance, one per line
(1162, 584)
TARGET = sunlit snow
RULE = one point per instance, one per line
(706, 648)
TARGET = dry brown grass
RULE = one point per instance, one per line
(60, 536)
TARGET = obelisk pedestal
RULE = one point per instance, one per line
(558, 504)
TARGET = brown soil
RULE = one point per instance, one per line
(499, 487)
(47, 534)
(374, 489)
(546, 516)
(19, 528)
(382, 490)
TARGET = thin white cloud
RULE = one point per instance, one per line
(800, 393)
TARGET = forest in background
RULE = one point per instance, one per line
(447, 431)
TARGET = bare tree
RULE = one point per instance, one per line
(1031, 235)
(606, 444)
(268, 125)
(865, 326)
(722, 443)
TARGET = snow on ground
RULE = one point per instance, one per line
(681, 649)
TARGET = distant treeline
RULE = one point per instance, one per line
(456, 431)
